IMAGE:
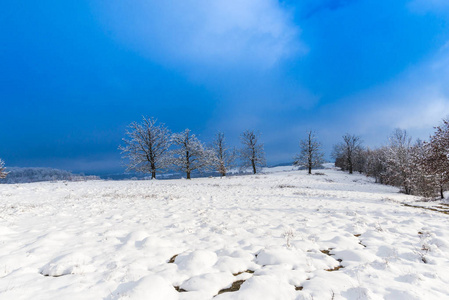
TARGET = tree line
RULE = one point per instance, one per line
(417, 168)
(150, 147)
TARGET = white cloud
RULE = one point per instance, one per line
(417, 100)
(437, 6)
(420, 113)
(256, 33)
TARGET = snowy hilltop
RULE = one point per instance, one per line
(279, 235)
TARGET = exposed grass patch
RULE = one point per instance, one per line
(55, 276)
(360, 242)
(233, 288)
(180, 290)
(335, 269)
(286, 186)
(246, 271)
(442, 210)
(327, 251)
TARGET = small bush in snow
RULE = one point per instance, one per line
(3, 172)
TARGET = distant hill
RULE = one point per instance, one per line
(28, 175)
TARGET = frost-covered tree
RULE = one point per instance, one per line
(360, 161)
(419, 169)
(310, 155)
(375, 164)
(3, 172)
(190, 154)
(423, 181)
(146, 147)
(347, 152)
(403, 165)
(223, 156)
(252, 154)
(437, 155)
(399, 161)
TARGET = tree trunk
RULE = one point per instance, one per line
(441, 192)
(153, 172)
(310, 169)
(350, 165)
(407, 190)
(188, 164)
(222, 168)
(253, 163)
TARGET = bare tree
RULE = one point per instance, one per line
(310, 155)
(3, 172)
(146, 147)
(223, 156)
(252, 154)
(190, 155)
(347, 152)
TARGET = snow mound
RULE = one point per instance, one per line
(148, 287)
(73, 263)
(210, 283)
(276, 256)
(196, 262)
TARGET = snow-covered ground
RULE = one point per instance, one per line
(282, 235)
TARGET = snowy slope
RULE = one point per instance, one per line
(283, 235)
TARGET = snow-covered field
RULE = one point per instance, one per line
(282, 235)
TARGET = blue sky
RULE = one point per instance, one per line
(76, 73)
